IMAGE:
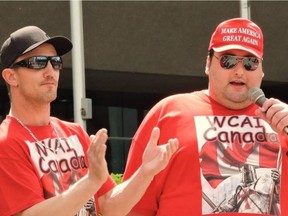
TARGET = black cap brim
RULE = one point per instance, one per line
(62, 45)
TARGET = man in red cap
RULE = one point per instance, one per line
(49, 166)
(220, 131)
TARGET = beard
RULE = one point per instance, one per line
(48, 97)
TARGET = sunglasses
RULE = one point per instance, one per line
(230, 61)
(39, 62)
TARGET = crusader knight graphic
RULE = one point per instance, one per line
(240, 163)
(253, 195)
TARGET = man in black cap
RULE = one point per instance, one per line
(49, 166)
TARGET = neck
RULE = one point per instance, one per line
(236, 101)
(31, 115)
(58, 143)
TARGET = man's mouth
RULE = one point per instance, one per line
(237, 83)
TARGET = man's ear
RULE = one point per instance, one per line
(9, 76)
(208, 63)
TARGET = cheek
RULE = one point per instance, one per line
(27, 82)
(256, 79)
(218, 77)
(57, 76)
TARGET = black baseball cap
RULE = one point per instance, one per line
(28, 38)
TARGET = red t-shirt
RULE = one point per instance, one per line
(223, 165)
(31, 173)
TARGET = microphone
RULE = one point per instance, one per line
(258, 97)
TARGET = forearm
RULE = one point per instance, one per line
(121, 199)
(68, 203)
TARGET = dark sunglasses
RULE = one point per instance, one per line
(39, 62)
(230, 61)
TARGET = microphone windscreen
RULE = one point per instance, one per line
(257, 96)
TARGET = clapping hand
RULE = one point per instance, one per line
(98, 170)
(156, 157)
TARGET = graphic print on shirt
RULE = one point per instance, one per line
(59, 171)
(240, 168)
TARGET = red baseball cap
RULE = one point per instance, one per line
(238, 33)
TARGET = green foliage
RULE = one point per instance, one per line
(117, 177)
